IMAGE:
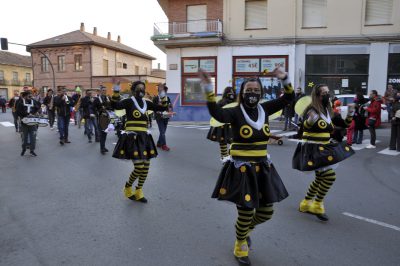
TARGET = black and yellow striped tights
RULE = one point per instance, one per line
(249, 218)
(141, 170)
(321, 185)
(223, 147)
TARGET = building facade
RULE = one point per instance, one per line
(15, 73)
(87, 60)
(349, 45)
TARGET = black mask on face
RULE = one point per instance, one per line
(251, 99)
(325, 100)
(139, 93)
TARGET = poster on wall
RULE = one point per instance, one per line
(269, 64)
(244, 65)
(191, 66)
(208, 65)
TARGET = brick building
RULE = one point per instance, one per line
(87, 60)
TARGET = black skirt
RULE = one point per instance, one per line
(135, 146)
(311, 156)
(250, 186)
(222, 134)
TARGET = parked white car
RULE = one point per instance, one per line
(349, 99)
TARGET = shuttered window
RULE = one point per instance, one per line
(378, 12)
(256, 15)
(196, 18)
(314, 13)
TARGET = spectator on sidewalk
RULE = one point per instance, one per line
(13, 104)
(395, 130)
(389, 99)
(359, 118)
(3, 103)
(374, 116)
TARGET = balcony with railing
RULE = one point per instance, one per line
(196, 31)
(27, 82)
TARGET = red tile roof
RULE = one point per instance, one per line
(80, 37)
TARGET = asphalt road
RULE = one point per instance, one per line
(66, 207)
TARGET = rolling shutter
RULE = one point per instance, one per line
(314, 13)
(256, 15)
(378, 12)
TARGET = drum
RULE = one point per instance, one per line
(35, 121)
(104, 120)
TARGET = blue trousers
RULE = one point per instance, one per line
(162, 127)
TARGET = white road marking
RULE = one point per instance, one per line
(275, 131)
(196, 127)
(372, 221)
(389, 152)
(286, 134)
(7, 124)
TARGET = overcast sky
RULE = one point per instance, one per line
(29, 21)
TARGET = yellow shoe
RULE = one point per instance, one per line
(128, 192)
(317, 208)
(305, 205)
(139, 196)
(241, 252)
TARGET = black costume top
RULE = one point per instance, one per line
(249, 143)
(25, 107)
(322, 129)
(136, 120)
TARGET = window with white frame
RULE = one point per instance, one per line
(78, 62)
(314, 13)
(378, 12)
(45, 64)
(61, 63)
(255, 14)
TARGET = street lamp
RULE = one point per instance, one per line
(4, 46)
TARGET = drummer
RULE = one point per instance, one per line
(28, 107)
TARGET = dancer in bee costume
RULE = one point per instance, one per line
(249, 179)
(222, 133)
(136, 143)
(317, 151)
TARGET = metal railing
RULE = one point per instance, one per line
(193, 28)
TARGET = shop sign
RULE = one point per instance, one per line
(191, 66)
(269, 64)
(208, 65)
(244, 65)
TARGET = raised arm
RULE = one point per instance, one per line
(274, 106)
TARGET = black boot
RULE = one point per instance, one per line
(23, 152)
(33, 153)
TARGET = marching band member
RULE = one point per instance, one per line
(136, 143)
(249, 179)
(28, 107)
(223, 134)
(103, 104)
(317, 152)
(49, 102)
(162, 100)
(63, 104)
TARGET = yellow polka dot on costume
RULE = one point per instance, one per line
(321, 148)
(242, 168)
(136, 114)
(245, 132)
(330, 158)
(257, 168)
(135, 153)
(152, 152)
(122, 152)
(145, 153)
(247, 197)
(310, 163)
(347, 148)
(222, 191)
